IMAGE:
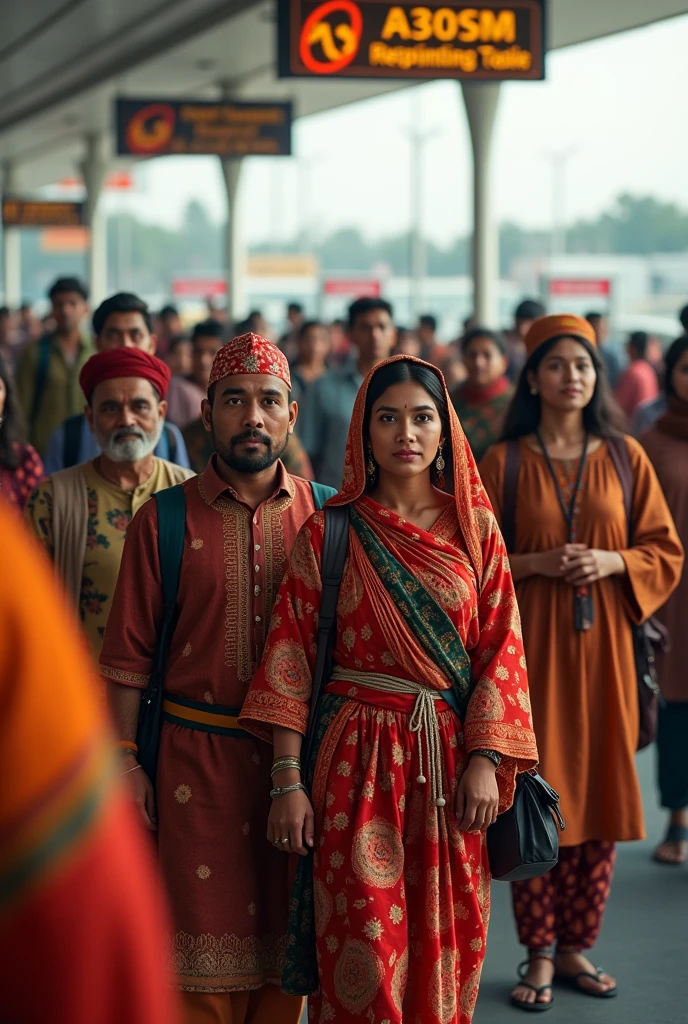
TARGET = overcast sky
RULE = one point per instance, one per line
(619, 106)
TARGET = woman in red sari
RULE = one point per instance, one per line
(422, 726)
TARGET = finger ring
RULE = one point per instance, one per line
(276, 842)
(284, 840)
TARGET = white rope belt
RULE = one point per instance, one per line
(423, 720)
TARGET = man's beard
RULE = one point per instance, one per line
(253, 462)
(129, 444)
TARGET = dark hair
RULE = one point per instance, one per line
(674, 353)
(594, 317)
(428, 320)
(483, 332)
(295, 307)
(168, 310)
(176, 341)
(401, 372)
(529, 309)
(601, 415)
(67, 285)
(368, 305)
(208, 329)
(4, 310)
(122, 302)
(639, 341)
(683, 317)
(309, 325)
(11, 428)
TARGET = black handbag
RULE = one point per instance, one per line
(524, 841)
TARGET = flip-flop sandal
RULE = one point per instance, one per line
(573, 981)
(536, 1007)
(674, 834)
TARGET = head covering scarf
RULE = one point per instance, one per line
(463, 479)
(561, 325)
(249, 353)
(124, 362)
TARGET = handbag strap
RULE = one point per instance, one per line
(335, 550)
(512, 469)
(171, 509)
(618, 453)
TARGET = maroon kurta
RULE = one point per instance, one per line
(669, 456)
(227, 887)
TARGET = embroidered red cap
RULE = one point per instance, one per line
(249, 353)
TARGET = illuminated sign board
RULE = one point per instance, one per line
(381, 39)
(34, 213)
(159, 127)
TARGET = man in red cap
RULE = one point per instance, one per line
(81, 514)
(228, 889)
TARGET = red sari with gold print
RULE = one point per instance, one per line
(400, 896)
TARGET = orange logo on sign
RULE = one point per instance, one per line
(338, 42)
(151, 128)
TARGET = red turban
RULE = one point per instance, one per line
(250, 353)
(562, 325)
(124, 362)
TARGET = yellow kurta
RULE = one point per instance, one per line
(583, 684)
(110, 510)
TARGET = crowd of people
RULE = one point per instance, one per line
(506, 538)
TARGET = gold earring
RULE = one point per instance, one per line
(370, 466)
(439, 466)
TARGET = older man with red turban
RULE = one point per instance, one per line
(227, 888)
(80, 515)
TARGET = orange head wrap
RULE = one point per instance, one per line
(561, 325)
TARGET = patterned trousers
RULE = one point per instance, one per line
(564, 908)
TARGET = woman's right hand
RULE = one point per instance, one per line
(141, 789)
(555, 563)
(291, 817)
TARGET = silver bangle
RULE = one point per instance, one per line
(283, 790)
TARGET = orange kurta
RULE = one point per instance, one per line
(583, 684)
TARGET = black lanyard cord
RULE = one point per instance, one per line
(569, 513)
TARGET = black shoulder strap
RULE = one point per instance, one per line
(41, 378)
(618, 453)
(71, 440)
(321, 494)
(335, 550)
(512, 468)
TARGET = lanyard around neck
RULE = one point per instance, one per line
(569, 513)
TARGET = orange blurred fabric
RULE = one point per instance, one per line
(583, 685)
(81, 918)
(267, 1005)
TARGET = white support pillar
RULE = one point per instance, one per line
(234, 253)
(11, 248)
(93, 170)
(481, 99)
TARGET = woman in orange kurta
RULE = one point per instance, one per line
(579, 587)
(422, 727)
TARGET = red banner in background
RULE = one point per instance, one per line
(354, 287)
(583, 286)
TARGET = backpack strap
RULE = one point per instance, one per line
(512, 469)
(321, 494)
(618, 453)
(335, 550)
(71, 440)
(41, 378)
(171, 509)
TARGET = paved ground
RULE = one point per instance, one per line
(644, 942)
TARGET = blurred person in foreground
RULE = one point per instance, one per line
(666, 443)
(121, 321)
(80, 515)
(525, 313)
(482, 401)
(608, 354)
(186, 395)
(426, 613)
(227, 888)
(82, 921)
(638, 383)
(21, 469)
(326, 413)
(48, 369)
(581, 585)
(310, 363)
